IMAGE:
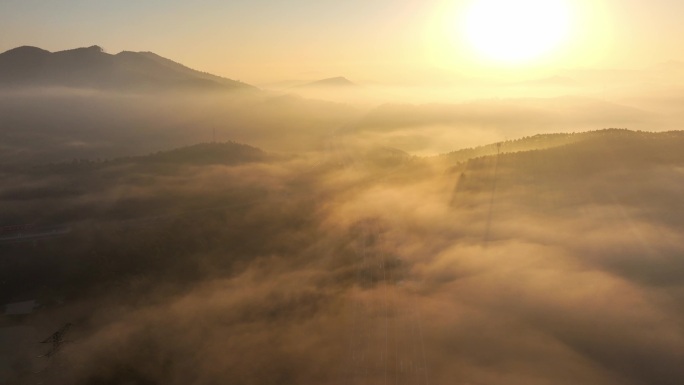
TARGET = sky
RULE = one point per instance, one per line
(379, 40)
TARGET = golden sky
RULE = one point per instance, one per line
(382, 40)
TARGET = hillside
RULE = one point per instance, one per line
(600, 140)
(535, 142)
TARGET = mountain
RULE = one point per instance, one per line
(329, 83)
(93, 68)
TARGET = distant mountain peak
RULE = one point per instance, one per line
(91, 67)
(25, 49)
(93, 49)
(338, 81)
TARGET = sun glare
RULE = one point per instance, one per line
(517, 31)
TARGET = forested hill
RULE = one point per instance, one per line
(604, 139)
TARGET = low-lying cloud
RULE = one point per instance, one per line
(526, 268)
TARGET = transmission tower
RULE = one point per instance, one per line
(56, 340)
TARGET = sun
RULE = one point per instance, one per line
(517, 31)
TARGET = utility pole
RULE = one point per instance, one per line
(491, 199)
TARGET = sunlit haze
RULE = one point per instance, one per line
(517, 31)
(385, 40)
(342, 192)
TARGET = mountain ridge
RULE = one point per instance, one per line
(92, 67)
(337, 81)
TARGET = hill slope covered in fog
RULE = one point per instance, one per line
(286, 269)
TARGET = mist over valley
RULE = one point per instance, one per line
(162, 225)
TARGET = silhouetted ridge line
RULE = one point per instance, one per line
(338, 81)
(26, 50)
(92, 67)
